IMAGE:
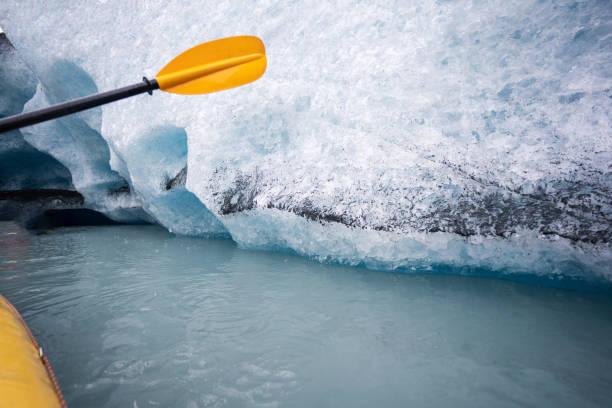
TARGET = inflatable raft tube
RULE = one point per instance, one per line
(26, 377)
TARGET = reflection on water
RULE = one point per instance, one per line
(15, 244)
(134, 316)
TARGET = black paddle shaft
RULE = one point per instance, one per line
(76, 105)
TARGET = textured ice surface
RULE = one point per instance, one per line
(22, 167)
(76, 142)
(156, 165)
(462, 123)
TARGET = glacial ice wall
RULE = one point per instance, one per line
(22, 167)
(383, 133)
(36, 173)
(76, 142)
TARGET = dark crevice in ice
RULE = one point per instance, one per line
(176, 181)
(70, 197)
(48, 208)
(23, 205)
(68, 218)
(241, 197)
(24, 167)
(575, 210)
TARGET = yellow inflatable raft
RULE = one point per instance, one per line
(26, 377)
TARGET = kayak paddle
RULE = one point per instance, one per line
(209, 67)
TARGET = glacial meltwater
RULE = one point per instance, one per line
(133, 316)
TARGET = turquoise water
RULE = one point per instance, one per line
(132, 316)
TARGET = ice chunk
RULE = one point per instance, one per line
(76, 142)
(156, 165)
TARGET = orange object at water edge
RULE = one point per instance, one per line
(26, 377)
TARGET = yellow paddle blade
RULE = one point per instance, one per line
(214, 66)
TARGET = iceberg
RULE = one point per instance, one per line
(385, 134)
